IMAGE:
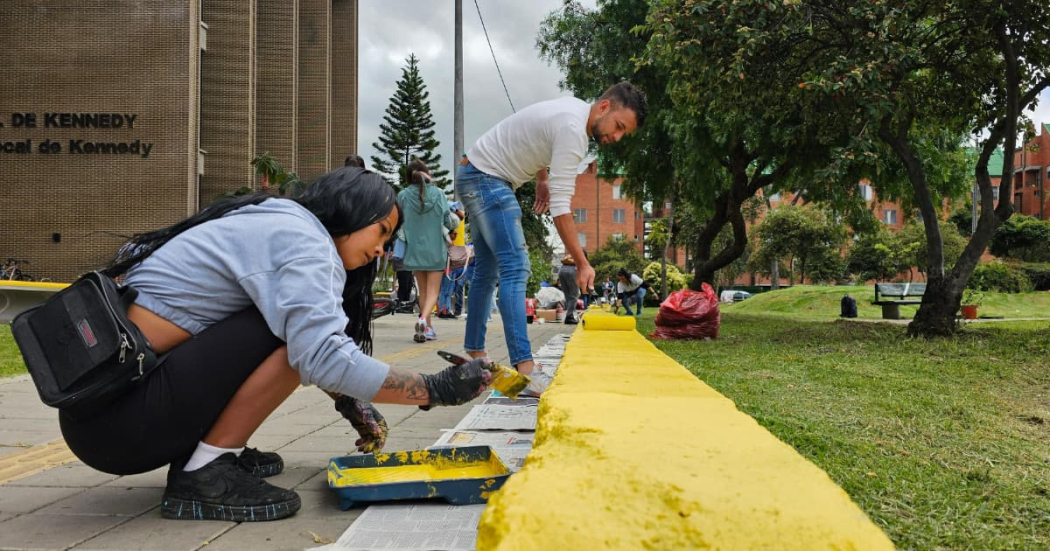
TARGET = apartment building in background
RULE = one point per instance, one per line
(602, 212)
(120, 116)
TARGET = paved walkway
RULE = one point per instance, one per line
(67, 505)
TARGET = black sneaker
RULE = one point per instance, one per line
(222, 490)
(261, 464)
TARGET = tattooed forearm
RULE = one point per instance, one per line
(407, 384)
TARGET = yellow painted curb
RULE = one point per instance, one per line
(33, 285)
(34, 460)
(632, 451)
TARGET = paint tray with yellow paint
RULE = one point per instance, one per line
(461, 476)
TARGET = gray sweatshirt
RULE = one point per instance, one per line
(277, 256)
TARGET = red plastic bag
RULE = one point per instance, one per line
(688, 314)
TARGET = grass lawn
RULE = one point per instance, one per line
(822, 302)
(10, 357)
(945, 443)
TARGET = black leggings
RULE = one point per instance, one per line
(404, 286)
(161, 420)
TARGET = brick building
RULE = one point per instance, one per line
(602, 212)
(119, 116)
(1031, 176)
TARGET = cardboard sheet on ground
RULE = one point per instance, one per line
(411, 528)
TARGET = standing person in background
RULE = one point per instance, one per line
(449, 282)
(632, 288)
(427, 223)
(567, 282)
(552, 134)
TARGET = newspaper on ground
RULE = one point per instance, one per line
(495, 417)
(501, 423)
(399, 527)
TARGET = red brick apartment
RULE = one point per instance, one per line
(601, 211)
(1031, 176)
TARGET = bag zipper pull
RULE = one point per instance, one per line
(142, 356)
(124, 346)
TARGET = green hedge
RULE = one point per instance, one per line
(999, 277)
(1038, 274)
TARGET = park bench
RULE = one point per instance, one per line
(891, 309)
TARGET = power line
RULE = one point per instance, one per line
(505, 91)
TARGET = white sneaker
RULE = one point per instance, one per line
(538, 383)
(421, 327)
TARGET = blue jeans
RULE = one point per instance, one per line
(637, 297)
(499, 255)
(460, 288)
(445, 296)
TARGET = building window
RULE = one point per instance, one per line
(865, 191)
(580, 215)
(889, 216)
(774, 198)
(637, 215)
(619, 236)
(618, 216)
(995, 193)
(582, 237)
(617, 194)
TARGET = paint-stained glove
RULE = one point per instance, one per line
(366, 420)
(459, 384)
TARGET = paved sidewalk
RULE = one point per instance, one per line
(71, 506)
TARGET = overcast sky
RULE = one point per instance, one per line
(392, 29)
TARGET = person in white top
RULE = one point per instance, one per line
(631, 288)
(545, 141)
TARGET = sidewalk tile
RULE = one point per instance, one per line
(53, 531)
(157, 478)
(72, 475)
(155, 533)
(23, 499)
(108, 502)
(319, 516)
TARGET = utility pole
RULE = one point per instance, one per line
(457, 124)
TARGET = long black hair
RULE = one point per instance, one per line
(344, 200)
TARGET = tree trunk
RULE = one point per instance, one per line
(774, 276)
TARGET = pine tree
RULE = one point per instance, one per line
(407, 131)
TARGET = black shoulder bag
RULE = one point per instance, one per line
(79, 346)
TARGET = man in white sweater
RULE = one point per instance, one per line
(552, 134)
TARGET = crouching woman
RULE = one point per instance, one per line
(246, 300)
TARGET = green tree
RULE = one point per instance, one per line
(876, 255)
(901, 74)
(703, 146)
(616, 253)
(799, 235)
(914, 243)
(407, 130)
(1023, 237)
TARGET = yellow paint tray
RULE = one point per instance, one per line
(461, 476)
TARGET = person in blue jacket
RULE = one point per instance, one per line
(247, 300)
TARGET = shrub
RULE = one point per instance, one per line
(1038, 274)
(999, 277)
(675, 279)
